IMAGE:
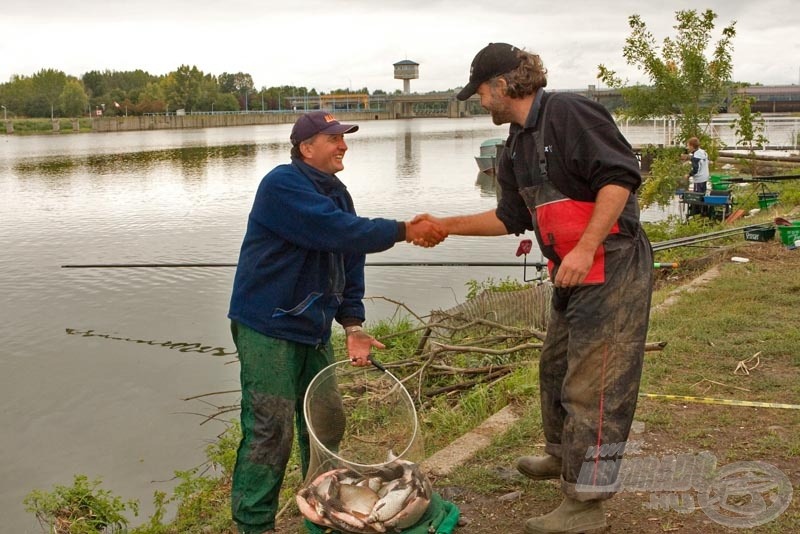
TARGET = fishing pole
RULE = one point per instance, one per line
(538, 265)
(368, 264)
(524, 249)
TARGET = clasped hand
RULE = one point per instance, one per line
(425, 231)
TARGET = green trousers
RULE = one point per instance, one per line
(274, 374)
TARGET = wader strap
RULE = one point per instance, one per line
(538, 141)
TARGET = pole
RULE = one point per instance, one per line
(368, 264)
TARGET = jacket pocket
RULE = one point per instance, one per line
(298, 309)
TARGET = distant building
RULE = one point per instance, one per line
(406, 70)
(772, 98)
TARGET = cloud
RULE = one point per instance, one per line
(353, 43)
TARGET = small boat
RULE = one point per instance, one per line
(488, 154)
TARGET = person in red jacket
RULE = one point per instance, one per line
(568, 174)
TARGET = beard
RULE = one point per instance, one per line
(500, 111)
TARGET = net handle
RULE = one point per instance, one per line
(376, 363)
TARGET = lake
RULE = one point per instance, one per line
(97, 362)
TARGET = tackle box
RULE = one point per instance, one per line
(789, 234)
(766, 233)
(765, 200)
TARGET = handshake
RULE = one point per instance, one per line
(425, 231)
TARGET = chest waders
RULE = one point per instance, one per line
(558, 221)
(591, 361)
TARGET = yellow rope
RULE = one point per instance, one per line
(728, 402)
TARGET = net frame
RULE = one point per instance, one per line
(322, 457)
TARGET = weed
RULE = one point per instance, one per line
(82, 508)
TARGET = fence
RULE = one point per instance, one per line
(781, 131)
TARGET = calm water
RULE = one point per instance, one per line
(97, 362)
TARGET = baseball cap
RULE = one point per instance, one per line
(314, 122)
(493, 60)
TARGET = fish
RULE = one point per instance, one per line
(308, 509)
(393, 497)
(358, 500)
(345, 521)
(391, 503)
(410, 514)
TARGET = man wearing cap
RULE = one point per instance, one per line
(301, 266)
(568, 174)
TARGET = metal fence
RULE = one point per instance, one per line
(782, 131)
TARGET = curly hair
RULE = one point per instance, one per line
(527, 78)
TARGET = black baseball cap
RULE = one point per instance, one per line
(314, 122)
(493, 60)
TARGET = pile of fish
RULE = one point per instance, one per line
(389, 498)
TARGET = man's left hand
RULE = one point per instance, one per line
(359, 346)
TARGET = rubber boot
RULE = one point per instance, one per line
(540, 467)
(570, 516)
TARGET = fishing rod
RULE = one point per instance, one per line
(368, 264)
(524, 249)
(691, 240)
(537, 265)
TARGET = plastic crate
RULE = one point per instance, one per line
(759, 234)
(717, 200)
(765, 200)
(789, 234)
(693, 197)
(718, 183)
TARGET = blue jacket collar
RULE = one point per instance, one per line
(324, 182)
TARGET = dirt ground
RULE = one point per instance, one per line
(513, 499)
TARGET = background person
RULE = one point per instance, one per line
(568, 173)
(301, 266)
(698, 175)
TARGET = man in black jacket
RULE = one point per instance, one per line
(567, 173)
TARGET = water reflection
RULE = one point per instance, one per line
(180, 346)
(190, 161)
(487, 184)
(407, 156)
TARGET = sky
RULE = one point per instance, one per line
(341, 44)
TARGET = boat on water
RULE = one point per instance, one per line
(488, 154)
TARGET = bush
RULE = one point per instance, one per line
(79, 509)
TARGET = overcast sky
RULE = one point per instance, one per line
(354, 43)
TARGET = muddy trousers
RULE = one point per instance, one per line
(274, 375)
(590, 368)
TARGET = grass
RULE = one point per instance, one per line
(43, 126)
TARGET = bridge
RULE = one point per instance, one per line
(435, 104)
(767, 99)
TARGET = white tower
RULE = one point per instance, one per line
(406, 70)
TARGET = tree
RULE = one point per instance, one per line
(47, 87)
(685, 85)
(749, 130)
(182, 88)
(73, 100)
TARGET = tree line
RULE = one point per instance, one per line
(52, 93)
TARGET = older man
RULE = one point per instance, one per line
(300, 267)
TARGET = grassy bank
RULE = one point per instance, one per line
(733, 339)
(46, 126)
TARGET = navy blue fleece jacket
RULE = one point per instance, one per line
(301, 264)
